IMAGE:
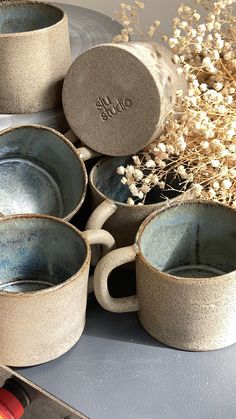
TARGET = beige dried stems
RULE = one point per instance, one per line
(197, 148)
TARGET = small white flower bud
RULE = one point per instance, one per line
(130, 201)
(150, 164)
(120, 170)
(226, 184)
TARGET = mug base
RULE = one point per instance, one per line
(190, 346)
(43, 358)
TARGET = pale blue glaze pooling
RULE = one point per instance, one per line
(191, 234)
(22, 17)
(38, 250)
(108, 182)
(39, 173)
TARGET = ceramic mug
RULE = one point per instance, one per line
(44, 268)
(41, 172)
(117, 96)
(109, 197)
(185, 273)
(35, 55)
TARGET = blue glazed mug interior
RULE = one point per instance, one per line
(108, 182)
(37, 253)
(24, 16)
(39, 173)
(191, 240)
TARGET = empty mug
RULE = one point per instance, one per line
(35, 55)
(44, 268)
(117, 96)
(185, 273)
(41, 172)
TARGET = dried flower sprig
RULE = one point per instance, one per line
(129, 16)
(199, 146)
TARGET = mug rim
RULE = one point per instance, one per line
(73, 149)
(63, 284)
(121, 204)
(173, 278)
(35, 31)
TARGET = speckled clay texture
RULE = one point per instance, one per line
(115, 96)
(194, 311)
(109, 198)
(39, 324)
(41, 172)
(33, 63)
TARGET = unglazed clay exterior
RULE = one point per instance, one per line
(185, 273)
(114, 214)
(41, 172)
(43, 287)
(116, 96)
(35, 56)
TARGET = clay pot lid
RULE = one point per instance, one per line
(111, 98)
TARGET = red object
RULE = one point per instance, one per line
(10, 407)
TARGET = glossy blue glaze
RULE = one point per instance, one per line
(191, 239)
(23, 16)
(39, 173)
(37, 253)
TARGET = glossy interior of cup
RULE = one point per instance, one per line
(25, 16)
(191, 240)
(108, 182)
(37, 253)
(39, 173)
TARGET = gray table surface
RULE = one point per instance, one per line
(117, 371)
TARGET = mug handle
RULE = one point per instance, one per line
(72, 137)
(99, 237)
(96, 221)
(85, 153)
(106, 265)
(101, 214)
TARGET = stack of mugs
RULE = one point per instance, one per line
(115, 98)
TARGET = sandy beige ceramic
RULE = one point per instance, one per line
(43, 288)
(35, 55)
(186, 276)
(116, 96)
(41, 172)
(115, 215)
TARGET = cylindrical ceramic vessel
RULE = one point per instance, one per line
(109, 198)
(41, 172)
(185, 273)
(35, 55)
(116, 96)
(44, 268)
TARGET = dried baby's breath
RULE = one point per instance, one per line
(198, 147)
(128, 15)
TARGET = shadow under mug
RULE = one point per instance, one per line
(185, 274)
(44, 269)
(41, 172)
(35, 55)
(109, 197)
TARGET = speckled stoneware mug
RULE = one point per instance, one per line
(44, 268)
(109, 198)
(116, 96)
(41, 172)
(35, 55)
(186, 276)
